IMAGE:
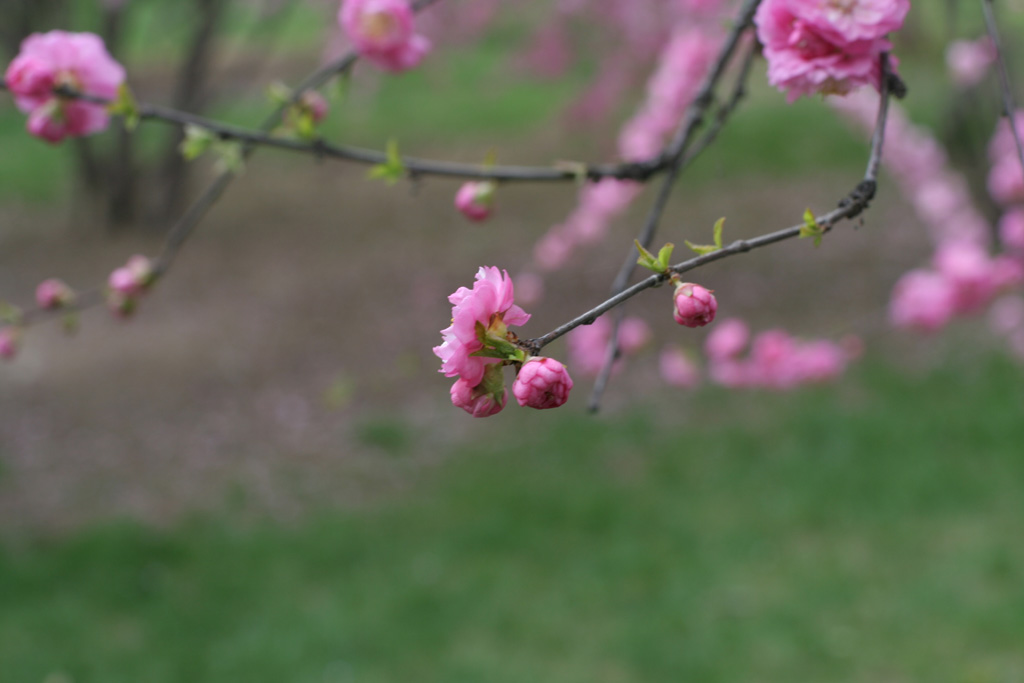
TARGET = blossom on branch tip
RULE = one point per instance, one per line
(826, 46)
(542, 383)
(694, 306)
(78, 61)
(480, 320)
(53, 293)
(383, 32)
(476, 199)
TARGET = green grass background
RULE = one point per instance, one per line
(866, 534)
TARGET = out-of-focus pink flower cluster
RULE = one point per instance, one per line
(588, 344)
(775, 360)
(480, 320)
(682, 64)
(964, 278)
(1006, 179)
(969, 60)
(383, 31)
(826, 46)
(74, 60)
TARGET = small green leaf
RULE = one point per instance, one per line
(9, 313)
(392, 170)
(70, 322)
(279, 93)
(197, 141)
(665, 255)
(811, 228)
(719, 225)
(701, 249)
(126, 107)
(305, 126)
(230, 156)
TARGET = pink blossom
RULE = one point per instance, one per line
(132, 278)
(969, 60)
(542, 383)
(694, 306)
(1011, 230)
(529, 287)
(476, 200)
(588, 346)
(974, 275)
(1002, 143)
(53, 293)
(484, 399)
(9, 341)
(828, 47)
(634, 333)
(383, 32)
(922, 300)
(727, 340)
(480, 313)
(75, 60)
(677, 369)
(1006, 180)
(315, 104)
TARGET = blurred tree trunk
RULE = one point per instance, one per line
(190, 94)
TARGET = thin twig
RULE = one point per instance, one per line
(677, 154)
(1009, 105)
(849, 207)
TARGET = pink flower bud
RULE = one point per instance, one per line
(315, 104)
(8, 342)
(132, 278)
(542, 383)
(53, 293)
(476, 200)
(694, 305)
(484, 399)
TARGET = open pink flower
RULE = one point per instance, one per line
(695, 306)
(826, 46)
(542, 383)
(53, 293)
(480, 313)
(76, 60)
(383, 32)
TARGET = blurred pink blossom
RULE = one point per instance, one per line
(727, 340)
(53, 293)
(383, 32)
(475, 200)
(75, 60)
(677, 369)
(9, 342)
(922, 300)
(969, 60)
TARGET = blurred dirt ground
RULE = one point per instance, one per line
(286, 361)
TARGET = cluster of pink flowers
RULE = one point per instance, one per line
(963, 277)
(588, 344)
(682, 64)
(74, 60)
(775, 360)
(383, 31)
(826, 46)
(478, 343)
(129, 282)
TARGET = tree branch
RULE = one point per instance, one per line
(849, 207)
